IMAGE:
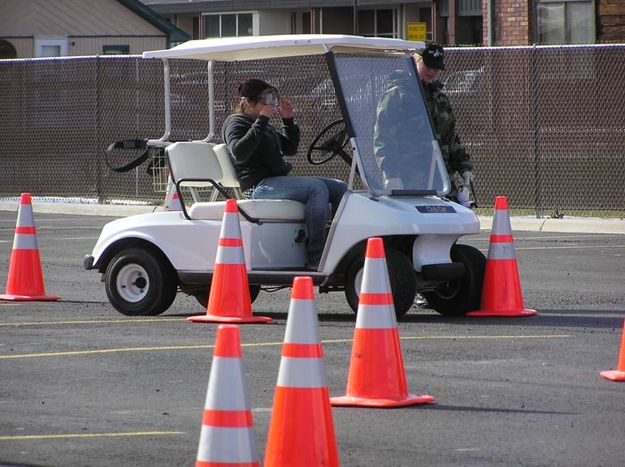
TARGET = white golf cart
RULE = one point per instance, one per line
(145, 259)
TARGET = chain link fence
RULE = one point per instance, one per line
(545, 126)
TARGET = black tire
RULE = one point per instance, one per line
(401, 276)
(458, 297)
(202, 297)
(139, 282)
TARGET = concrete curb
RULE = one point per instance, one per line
(566, 225)
(521, 223)
(87, 209)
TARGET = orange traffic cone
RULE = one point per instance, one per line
(501, 292)
(227, 436)
(229, 299)
(172, 200)
(301, 431)
(376, 370)
(25, 280)
(619, 373)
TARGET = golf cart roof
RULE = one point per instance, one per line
(261, 47)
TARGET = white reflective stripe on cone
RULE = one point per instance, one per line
(25, 216)
(301, 373)
(301, 327)
(222, 393)
(228, 445)
(375, 317)
(375, 277)
(25, 242)
(230, 255)
(501, 223)
(230, 227)
(501, 250)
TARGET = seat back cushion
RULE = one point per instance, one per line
(194, 159)
(229, 176)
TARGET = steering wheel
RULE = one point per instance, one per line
(325, 148)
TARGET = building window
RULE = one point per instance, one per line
(228, 25)
(50, 46)
(565, 21)
(115, 49)
(377, 23)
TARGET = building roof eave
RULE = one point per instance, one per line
(173, 33)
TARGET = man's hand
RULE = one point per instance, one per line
(468, 178)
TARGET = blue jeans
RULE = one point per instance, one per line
(316, 193)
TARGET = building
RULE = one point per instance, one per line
(43, 28)
(32, 28)
(452, 22)
(526, 22)
(259, 17)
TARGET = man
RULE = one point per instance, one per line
(400, 118)
(430, 64)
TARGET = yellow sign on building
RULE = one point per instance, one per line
(417, 31)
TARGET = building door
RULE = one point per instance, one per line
(425, 16)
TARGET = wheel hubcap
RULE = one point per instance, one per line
(132, 283)
(449, 290)
(358, 281)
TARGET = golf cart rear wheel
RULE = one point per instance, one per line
(458, 297)
(401, 276)
(138, 282)
(202, 297)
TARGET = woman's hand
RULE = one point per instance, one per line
(267, 111)
(285, 110)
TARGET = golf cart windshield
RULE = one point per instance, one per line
(396, 150)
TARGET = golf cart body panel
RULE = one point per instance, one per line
(198, 248)
(387, 217)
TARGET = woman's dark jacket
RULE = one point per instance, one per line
(257, 148)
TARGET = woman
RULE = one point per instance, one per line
(258, 149)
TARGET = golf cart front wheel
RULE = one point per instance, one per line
(401, 276)
(140, 283)
(458, 297)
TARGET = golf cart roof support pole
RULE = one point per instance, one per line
(211, 102)
(349, 129)
(352, 170)
(167, 101)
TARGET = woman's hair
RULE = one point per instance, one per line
(250, 90)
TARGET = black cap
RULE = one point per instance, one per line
(433, 56)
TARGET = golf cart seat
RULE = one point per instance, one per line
(197, 164)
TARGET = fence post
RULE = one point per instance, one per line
(535, 130)
(98, 132)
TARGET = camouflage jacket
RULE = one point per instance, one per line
(396, 120)
(444, 121)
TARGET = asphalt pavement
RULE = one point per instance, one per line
(82, 385)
